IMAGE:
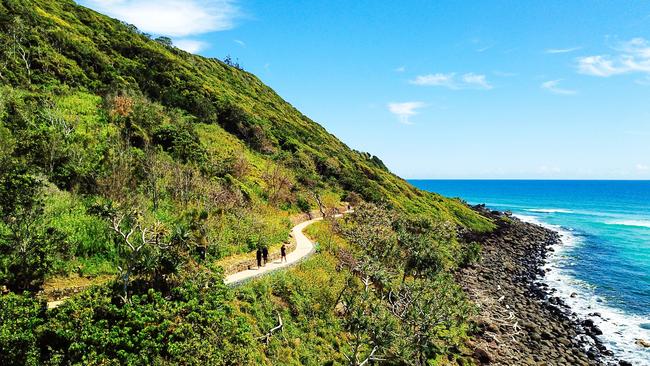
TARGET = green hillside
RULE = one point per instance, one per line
(104, 131)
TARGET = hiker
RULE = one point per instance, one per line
(258, 255)
(283, 253)
(265, 254)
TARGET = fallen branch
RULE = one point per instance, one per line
(371, 357)
(267, 337)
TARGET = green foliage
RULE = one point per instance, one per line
(203, 161)
(402, 283)
(29, 246)
(195, 325)
(21, 321)
(100, 54)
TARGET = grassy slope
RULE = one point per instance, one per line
(79, 57)
(83, 49)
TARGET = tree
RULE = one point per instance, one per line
(370, 228)
(57, 132)
(28, 246)
(145, 252)
(15, 50)
(154, 170)
(431, 313)
(165, 41)
(278, 185)
(370, 327)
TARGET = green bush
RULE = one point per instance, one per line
(21, 322)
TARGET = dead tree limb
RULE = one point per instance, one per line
(267, 337)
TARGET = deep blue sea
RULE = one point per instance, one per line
(605, 255)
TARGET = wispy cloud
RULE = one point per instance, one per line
(190, 45)
(453, 81)
(240, 42)
(435, 80)
(561, 50)
(553, 87)
(400, 69)
(483, 49)
(642, 167)
(405, 110)
(481, 45)
(632, 56)
(476, 80)
(174, 18)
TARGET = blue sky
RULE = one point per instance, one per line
(443, 89)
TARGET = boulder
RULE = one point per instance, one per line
(483, 356)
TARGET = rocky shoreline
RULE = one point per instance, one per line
(520, 321)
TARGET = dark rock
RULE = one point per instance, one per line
(482, 356)
(588, 323)
(512, 266)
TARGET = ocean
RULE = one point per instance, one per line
(604, 259)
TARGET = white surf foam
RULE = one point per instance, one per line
(620, 330)
(550, 210)
(636, 223)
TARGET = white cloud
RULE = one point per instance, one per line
(553, 87)
(449, 80)
(435, 80)
(561, 50)
(642, 167)
(400, 69)
(476, 80)
(405, 110)
(190, 45)
(240, 42)
(175, 18)
(633, 57)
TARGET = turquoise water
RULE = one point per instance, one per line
(605, 256)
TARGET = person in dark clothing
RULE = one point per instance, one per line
(258, 255)
(283, 253)
(265, 254)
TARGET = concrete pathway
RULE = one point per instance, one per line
(304, 248)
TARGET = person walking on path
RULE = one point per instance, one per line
(258, 256)
(283, 253)
(265, 254)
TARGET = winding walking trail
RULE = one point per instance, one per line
(304, 248)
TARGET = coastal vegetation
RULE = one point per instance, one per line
(123, 157)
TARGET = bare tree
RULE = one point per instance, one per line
(119, 183)
(59, 132)
(183, 183)
(15, 48)
(319, 201)
(135, 239)
(278, 185)
(154, 170)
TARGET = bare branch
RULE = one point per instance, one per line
(267, 337)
